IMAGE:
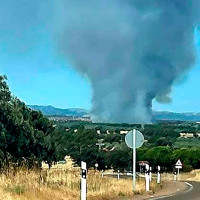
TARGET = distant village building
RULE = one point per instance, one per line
(105, 149)
(69, 118)
(67, 129)
(75, 130)
(186, 135)
(198, 134)
(98, 132)
(112, 149)
(142, 165)
(67, 163)
(107, 132)
(123, 132)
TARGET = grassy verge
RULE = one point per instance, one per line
(64, 185)
(190, 176)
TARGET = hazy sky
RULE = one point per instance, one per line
(38, 75)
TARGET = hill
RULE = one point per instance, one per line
(172, 116)
(52, 111)
(79, 112)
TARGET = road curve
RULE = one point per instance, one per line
(191, 193)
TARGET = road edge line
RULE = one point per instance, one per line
(171, 195)
(190, 185)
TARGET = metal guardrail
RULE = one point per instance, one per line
(124, 175)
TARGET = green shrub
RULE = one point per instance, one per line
(16, 189)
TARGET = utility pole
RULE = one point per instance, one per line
(100, 144)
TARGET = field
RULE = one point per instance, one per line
(186, 142)
(63, 185)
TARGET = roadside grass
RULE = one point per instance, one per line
(15, 189)
(64, 185)
(190, 176)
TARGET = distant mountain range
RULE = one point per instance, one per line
(79, 112)
(173, 116)
(52, 111)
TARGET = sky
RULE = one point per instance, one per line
(43, 79)
(38, 75)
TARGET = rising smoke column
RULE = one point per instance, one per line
(131, 50)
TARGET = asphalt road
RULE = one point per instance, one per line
(191, 193)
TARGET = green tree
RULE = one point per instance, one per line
(25, 135)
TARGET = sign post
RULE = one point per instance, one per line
(178, 166)
(83, 181)
(134, 139)
(134, 160)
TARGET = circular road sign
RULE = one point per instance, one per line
(96, 165)
(139, 139)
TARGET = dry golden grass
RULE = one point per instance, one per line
(63, 185)
(190, 176)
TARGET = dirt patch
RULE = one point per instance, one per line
(167, 189)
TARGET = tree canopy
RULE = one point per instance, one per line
(25, 134)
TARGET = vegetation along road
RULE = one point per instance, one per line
(192, 193)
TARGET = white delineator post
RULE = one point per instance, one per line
(102, 173)
(175, 177)
(150, 174)
(158, 175)
(118, 175)
(147, 177)
(83, 181)
(134, 161)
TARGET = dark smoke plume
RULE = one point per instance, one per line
(131, 50)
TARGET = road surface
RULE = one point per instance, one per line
(191, 193)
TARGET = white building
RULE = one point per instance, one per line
(198, 134)
(123, 132)
(107, 132)
(186, 135)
